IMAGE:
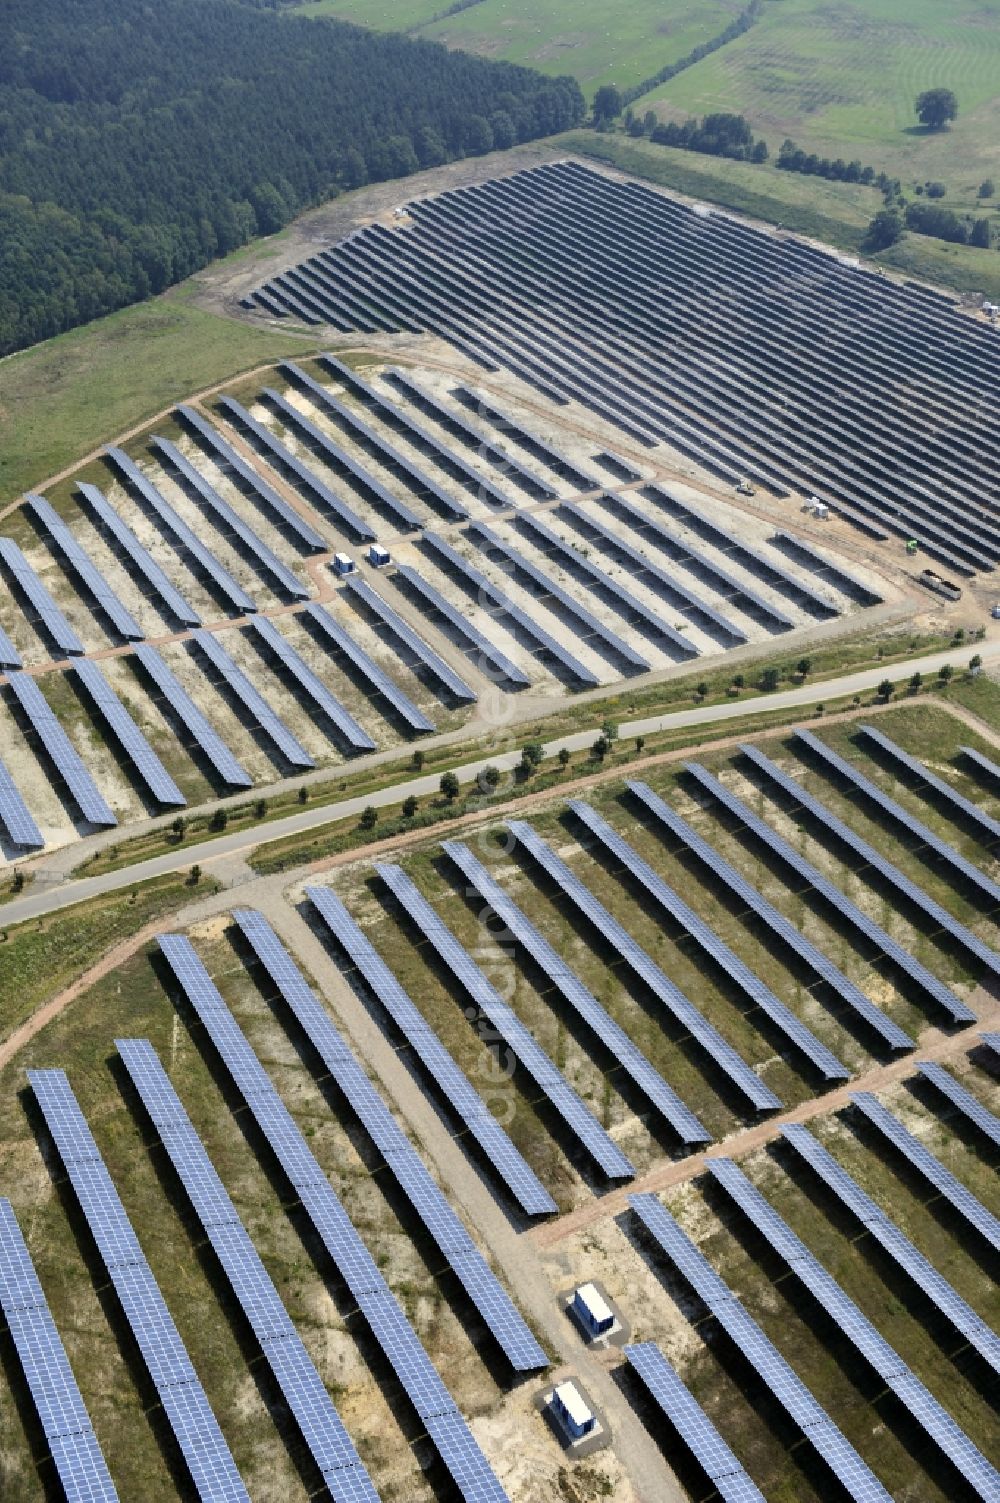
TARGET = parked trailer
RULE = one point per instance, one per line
(945, 587)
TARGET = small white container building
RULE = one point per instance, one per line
(592, 1310)
(378, 556)
(343, 564)
(572, 1413)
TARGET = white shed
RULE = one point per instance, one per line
(592, 1310)
(572, 1412)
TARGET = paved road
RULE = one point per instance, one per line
(42, 899)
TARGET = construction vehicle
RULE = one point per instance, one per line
(745, 489)
(944, 587)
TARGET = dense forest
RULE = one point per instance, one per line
(139, 140)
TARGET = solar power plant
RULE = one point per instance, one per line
(45, 608)
(406, 1166)
(147, 764)
(597, 635)
(631, 1059)
(781, 1380)
(692, 1424)
(229, 522)
(390, 618)
(416, 1373)
(60, 750)
(230, 463)
(15, 815)
(562, 1097)
(834, 574)
(611, 932)
(312, 686)
(873, 794)
(806, 384)
(369, 669)
(86, 571)
(277, 452)
(987, 828)
(494, 658)
(832, 895)
(795, 1031)
(531, 444)
(195, 1427)
(191, 718)
(73, 1445)
(143, 561)
(902, 1251)
(441, 1069)
(961, 1099)
(392, 414)
(934, 1172)
(842, 1310)
(254, 703)
(915, 895)
(779, 925)
(301, 1385)
(987, 770)
(623, 600)
(175, 525)
(474, 580)
(422, 485)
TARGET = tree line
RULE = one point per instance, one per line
(138, 141)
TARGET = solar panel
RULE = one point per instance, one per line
(15, 815)
(692, 1424)
(358, 1269)
(943, 1181)
(962, 1099)
(228, 460)
(721, 870)
(564, 1100)
(404, 1163)
(9, 656)
(147, 764)
(888, 806)
(61, 751)
(989, 771)
(899, 1247)
(312, 686)
(490, 656)
(817, 882)
(173, 524)
(191, 718)
(665, 990)
(90, 577)
(300, 1383)
(514, 433)
(631, 1059)
(75, 1451)
(974, 813)
(522, 1182)
(369, 669)
(842, 1310)
(962, 936)
(254, 703)
(548, 588)
(781, 1380)
(230, 522)
(48, 613)
(195, 1427)
(407, 635)
(837, 575)
(143, 561)
(344, 514)
(992, 1041)
(802, 1037)
(487, 592)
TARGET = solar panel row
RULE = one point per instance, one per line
(195, 1427)
(60, 750)
(75, 1451)
(440, 1068)
(9, 656)
(530, 442)
(987, 770)
(564, 1100)
(781, 1380)
(253, 702)
(965, 1102)
(779, 925)
(144, 563)
(191, 718)
(312, 686)
(613, 1038)
(399, 628)
(304, 1391)
(145, 761)
(490, 656)
(420, 1380)
(802, 1037)
(405, 1164)
(47, 612)
(369, 669)
(837, 575)
(611, 932)
(89, 575)
(974, 813)
(15, 816)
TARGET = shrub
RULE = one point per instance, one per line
(769, 679)
(410, 806)
(564, 756)
(219, 820)
(449, 786)
(369, 817)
